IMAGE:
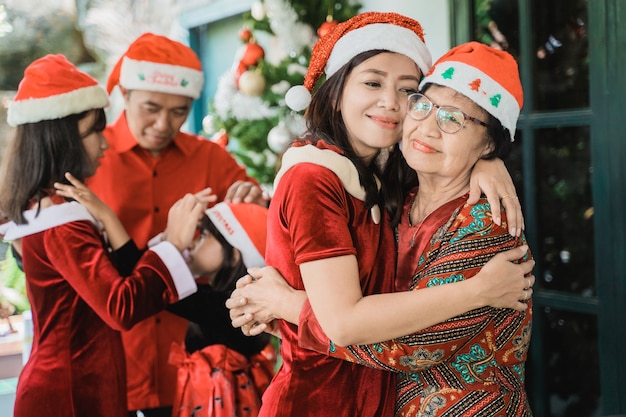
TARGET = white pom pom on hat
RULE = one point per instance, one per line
(298, 98)
(364, 32)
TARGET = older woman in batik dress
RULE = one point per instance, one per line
(472, 364)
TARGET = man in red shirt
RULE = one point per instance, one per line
(151, 164)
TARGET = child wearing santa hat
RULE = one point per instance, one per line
(220, 368)
(80, 303)
(329, 223)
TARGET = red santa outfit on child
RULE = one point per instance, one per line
(78, 299)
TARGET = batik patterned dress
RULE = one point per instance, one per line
(472, 364)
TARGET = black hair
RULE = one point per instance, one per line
(40, 154)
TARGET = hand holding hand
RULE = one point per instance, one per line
(261, 297)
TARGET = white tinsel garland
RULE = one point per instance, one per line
(293, 34)
(230, 103)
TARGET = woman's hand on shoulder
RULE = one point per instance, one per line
(492, 178)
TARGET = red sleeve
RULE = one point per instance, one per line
(316, 212)
(78, 255)
(310, 333)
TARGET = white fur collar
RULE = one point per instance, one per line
(47, 218)
(338, 164)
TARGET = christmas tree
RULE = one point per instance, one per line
(248, 112)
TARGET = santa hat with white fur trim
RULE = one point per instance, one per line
(364, 32)
(156, 63)
(244, 226)
(53, 88)
(485, 75)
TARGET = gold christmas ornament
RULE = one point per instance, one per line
(251, 83)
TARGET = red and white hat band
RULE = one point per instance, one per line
(160, 77)
(57, 106)
(384, 36)
(227, 224)
(478, 87)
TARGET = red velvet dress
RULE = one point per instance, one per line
(80, 303)
(312, 216)
(470, 365)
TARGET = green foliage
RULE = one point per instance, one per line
(251, 149)
(314, 12)
(13, 285)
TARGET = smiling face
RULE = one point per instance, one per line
(93, 140)
(374, 100)
(445, 157)
(155, 118)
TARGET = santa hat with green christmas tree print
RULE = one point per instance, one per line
(364, 32)
(53, 88)
(156, 63)
(487, 76)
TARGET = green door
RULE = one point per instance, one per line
(568, 166)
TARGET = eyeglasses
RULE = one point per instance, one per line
(449, 118)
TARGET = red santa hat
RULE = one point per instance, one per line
(364, 32)
(157, 63)
(244, 226)
(53, 88)
(485, 75)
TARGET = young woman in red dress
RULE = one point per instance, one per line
(79, 300)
